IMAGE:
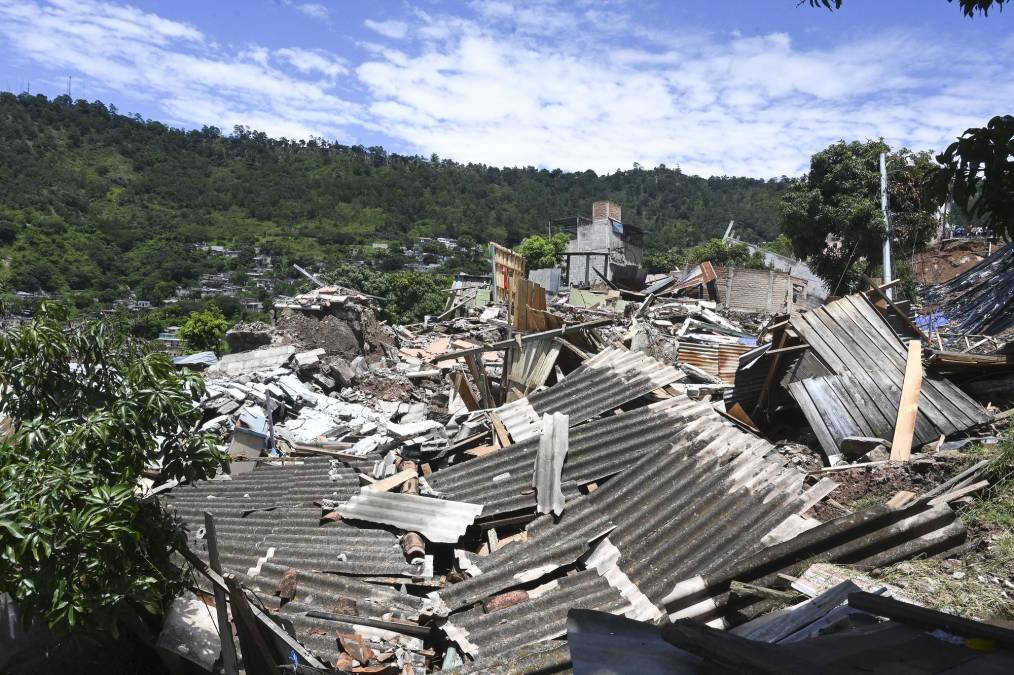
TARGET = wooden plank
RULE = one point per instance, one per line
(839, 357)
(929, 618)
(853, 408)
(902, 315)
(258, 658)
(464, 391)
(813, 416)
(901, 446)
(901, 499)
(229, 661)
(499, 431)
(394, 481)
(959, 493)
(497, 346)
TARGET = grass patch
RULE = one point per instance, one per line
(976, 594)
(993, 508)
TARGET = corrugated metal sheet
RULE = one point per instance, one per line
(438, 520)
(874, 538)
(549, 464)
(259, 546)
(722, 361)
(536, 620)
(711, 499)
(981, 300)
(199, 359)
(602, 383)
(598, 449)
(859, 346)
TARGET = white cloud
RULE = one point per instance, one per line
(391, 29)
(311, 9)
(496, 90)
(125, 51)
(545, 83)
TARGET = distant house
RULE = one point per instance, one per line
(604, 243)
(170, 340)
(816, 287)
(381, 245)
(252, 304)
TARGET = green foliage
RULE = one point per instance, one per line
(977, 173)
(203, 331)
(540, 252)
(409, 295)
(719, 253)
(839, 201)
(782, 246)
(968, 7)
(91, 410)
(103, 204)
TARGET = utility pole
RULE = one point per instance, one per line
(887, 223)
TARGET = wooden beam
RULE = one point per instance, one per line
(258, 658)
(394, 481)
(959, 493)
(930, 618)
(879, 292)
(229, 661)
(908, 409)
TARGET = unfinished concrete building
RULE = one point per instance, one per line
(606, 244)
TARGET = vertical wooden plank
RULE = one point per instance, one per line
(901, 446)
(257, 656)
(224, 627)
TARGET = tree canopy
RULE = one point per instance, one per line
(977, 173)
(91, 411)
(204, 330)
(540, 252)
(833, 214)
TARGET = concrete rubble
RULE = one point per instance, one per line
(634, 478)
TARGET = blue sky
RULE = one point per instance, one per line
(729, 87)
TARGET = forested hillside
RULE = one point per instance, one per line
(97, 201)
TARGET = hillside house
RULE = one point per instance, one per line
(606, 244)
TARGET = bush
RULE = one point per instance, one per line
(91, 410)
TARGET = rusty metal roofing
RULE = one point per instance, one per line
(438, 520)
(720, 360)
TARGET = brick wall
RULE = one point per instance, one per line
(768, 291)
(603, 210)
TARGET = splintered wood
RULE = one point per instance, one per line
(904, 429)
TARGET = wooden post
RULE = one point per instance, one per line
(257, 656)
(908, 409)
(224, 627)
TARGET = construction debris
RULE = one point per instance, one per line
(527, 467)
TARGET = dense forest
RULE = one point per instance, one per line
(98, 202)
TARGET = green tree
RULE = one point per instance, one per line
(540, 252)
(203, 331)
(91, 410)
(977, 173)
(716, 251)
(833, 214)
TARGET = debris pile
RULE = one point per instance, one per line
(528, 485)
